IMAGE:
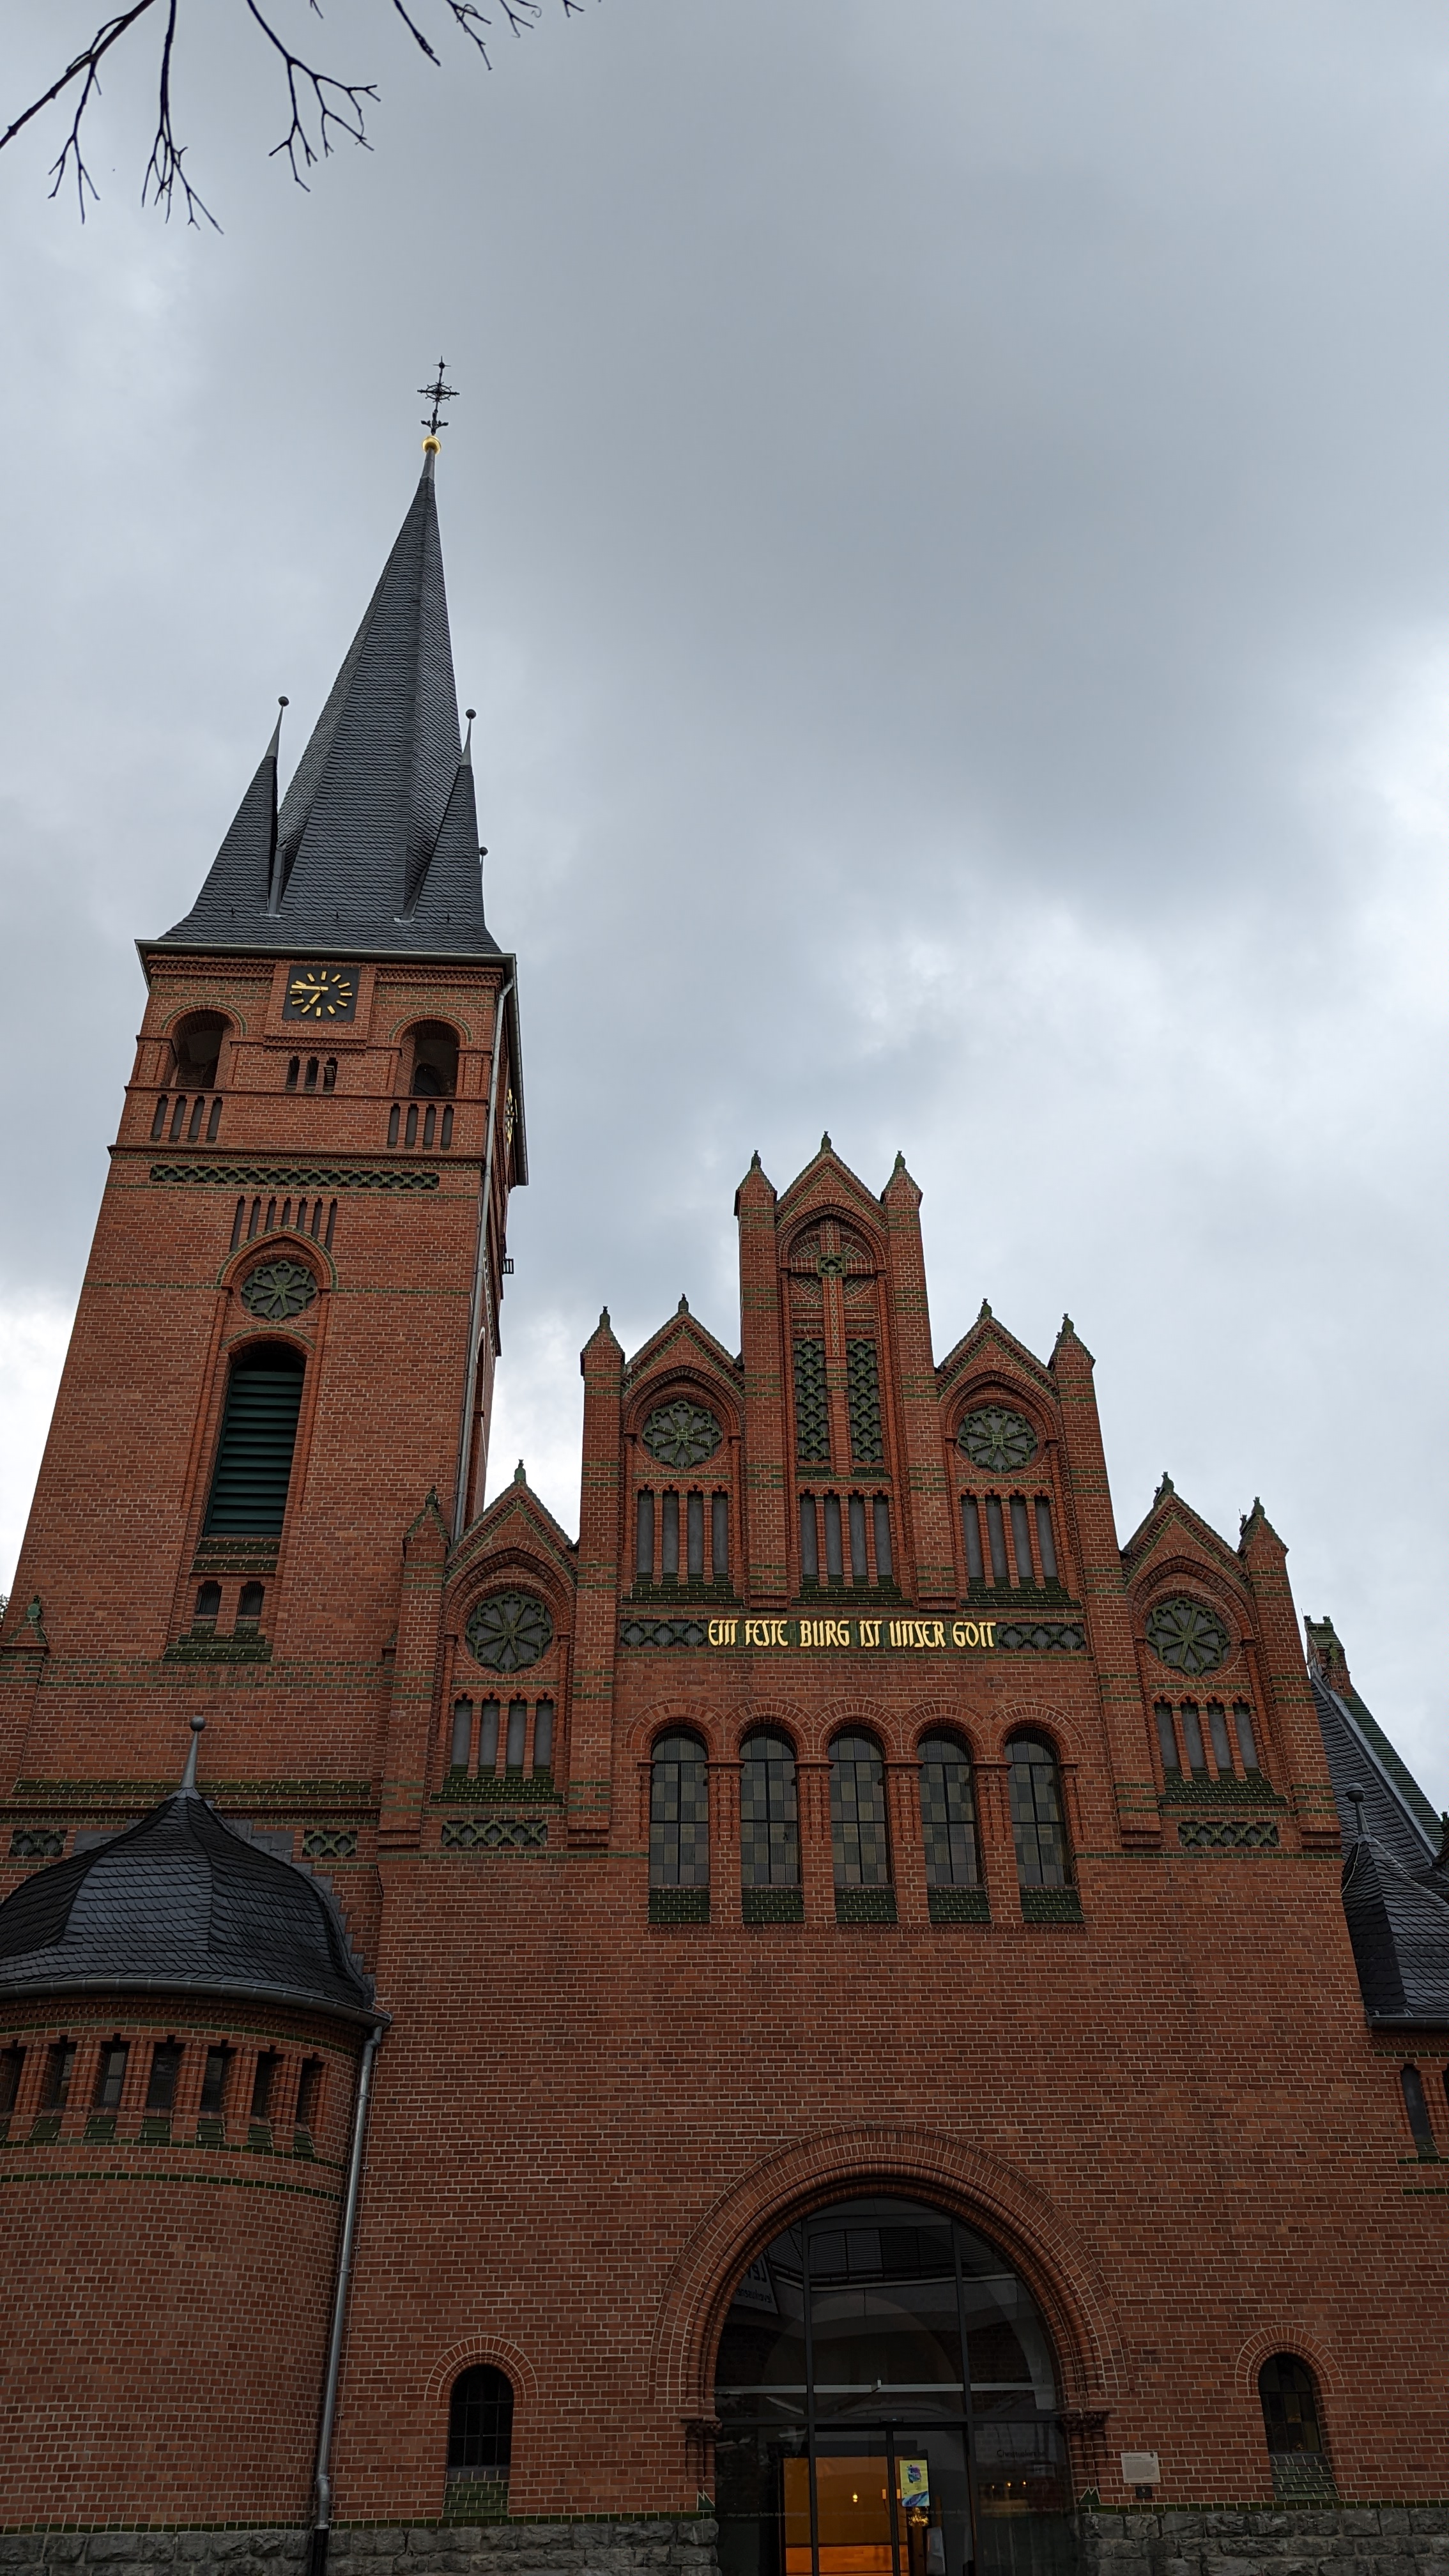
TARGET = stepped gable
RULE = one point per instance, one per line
(375, 847)
(182, 1905)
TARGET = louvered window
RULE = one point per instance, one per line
(258, 1435)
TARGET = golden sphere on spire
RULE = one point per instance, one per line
(432, 447)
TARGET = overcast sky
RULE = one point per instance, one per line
(945, 529)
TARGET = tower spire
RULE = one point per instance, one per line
(375, 845)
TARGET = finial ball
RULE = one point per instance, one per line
(470, 713)
(432, 447)
(284, 702)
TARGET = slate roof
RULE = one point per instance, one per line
(1395, 1900)
(375, 848)
(180, 1903)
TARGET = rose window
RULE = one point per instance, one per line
(1182, 1633)
(681, 1434)
(279, 1289)
(509, 1630)
(996, 1439)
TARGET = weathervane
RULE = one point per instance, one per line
(437, 394)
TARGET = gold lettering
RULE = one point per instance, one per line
(722, 1631)
(988, 1631)
(958, 1632)
(870, 1632)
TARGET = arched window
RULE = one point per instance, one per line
(769, 1829)
(858, 1815)
(1037, 1819)
(196, 1047)
(679, 1813)
(208, 1605)
(480, 2427)
(258, 1435)
(435, 1061)
(948, 1814)
(843, 2403)
(1290, 2422)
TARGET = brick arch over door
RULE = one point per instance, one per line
(987, 2193)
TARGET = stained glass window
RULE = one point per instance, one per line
(948, 1814)
(858, 1813)
(679, 1813)
(1037, 1822)
(769, 1826)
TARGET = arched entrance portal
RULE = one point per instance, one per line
(852, 2441)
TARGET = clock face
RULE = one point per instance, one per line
(327, 993)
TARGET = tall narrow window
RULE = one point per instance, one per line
(293, 1070)
(1046, 1545)
(12, 2067)
(1192, 1736)
(644, 1538)
(669, 1551)
(462, 1744)
(859, 1563)
(480, 2425)
(60, 2066)
(1218, 1731)
(769, 1826)
(862, 1397)
(264, 2077)
(719, 1538)
(213, 2083)
(996, 1533)
(159, 1121)
(881, 1512)
(679, 1813)
(517, 1734)
(329, 1074)
(1021, 1540)
(111, 2076)
(694, 1560)
(812, 1405)
(249, 1604)
(161, 2082)
(971, 1533)
(309, 2094)
(1243, 1724)
(1289, 2401)
(488, 1739)
(948, 1814)
(809, 1539)
(543, 1737)
(834, 1560)
(258, 1435)
(858, 1813)
(1167, 1739)
(309, 1082)
(208, 1605)
(1417, 2108)
(1037, 1822)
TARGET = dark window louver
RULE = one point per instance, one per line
(258, 1436)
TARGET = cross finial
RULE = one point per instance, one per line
(437, 394)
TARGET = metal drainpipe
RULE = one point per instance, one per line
(322, 2520)
(480, 1276)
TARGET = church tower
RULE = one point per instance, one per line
(282, 1363)
(288, 1327)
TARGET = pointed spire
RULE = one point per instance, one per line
(234, 897)
(375, 847)
(188, 1777)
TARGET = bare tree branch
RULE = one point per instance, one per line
(322, 107)
(163, 171)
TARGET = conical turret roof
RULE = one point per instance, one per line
(181, 1904)
(375, 848)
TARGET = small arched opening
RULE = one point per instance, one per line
(434, 1069)
(196, 1045)
(1293, 2427)
(480, 2443)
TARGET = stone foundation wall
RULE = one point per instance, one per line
(1291, 2540)
(1338, 2540)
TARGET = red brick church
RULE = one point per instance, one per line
(839, 2023)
